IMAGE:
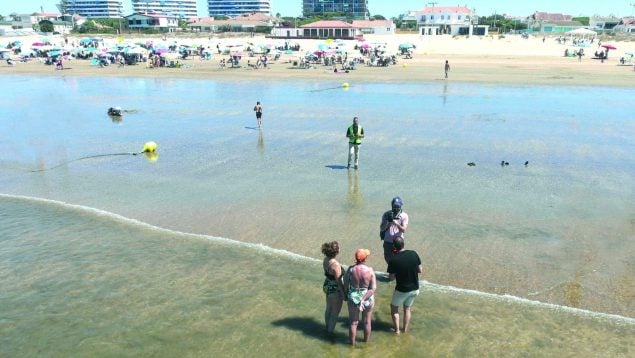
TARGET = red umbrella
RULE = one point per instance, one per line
(609, 47)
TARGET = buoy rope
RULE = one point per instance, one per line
(86, 157)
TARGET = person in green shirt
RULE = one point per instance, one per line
(354, 133)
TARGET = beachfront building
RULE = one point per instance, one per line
(447, 20)
(603, 23)
(356, 9)
(92, 8)
(243, 23)
(627, 25)
(375, 27)
(559, 27)
(22, 22)
(232, 8)
(158, 22)
(178, 8)
(325, 29)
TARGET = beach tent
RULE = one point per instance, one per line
(584, 33)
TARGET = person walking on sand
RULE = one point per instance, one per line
(333, 286)
(354, 133)
(404, 267)
(258, 110)
(360, 283)
(394, 224)
(447, 68)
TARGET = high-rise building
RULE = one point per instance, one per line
(92, 8)
(179, 8)
(357, 9)
(233, 8)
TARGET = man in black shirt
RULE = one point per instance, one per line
(405, 267)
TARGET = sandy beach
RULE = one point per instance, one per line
(510, 59)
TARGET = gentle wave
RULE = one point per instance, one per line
(288, 254)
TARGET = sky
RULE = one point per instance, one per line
(392, 8)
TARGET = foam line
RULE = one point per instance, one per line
(291, 255)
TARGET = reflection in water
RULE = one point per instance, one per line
(116, 119)
(355, 197)
(445, 92)
(152, 156)
(261, 142)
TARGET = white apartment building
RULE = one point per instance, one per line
(92, 8)
(232, 8)
(179, 8)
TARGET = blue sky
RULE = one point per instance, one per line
(390, 8)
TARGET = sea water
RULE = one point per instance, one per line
(212, 246)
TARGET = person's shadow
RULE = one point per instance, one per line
(336, 166)
(309, 327)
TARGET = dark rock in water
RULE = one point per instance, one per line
(526, 163)
(471, 164)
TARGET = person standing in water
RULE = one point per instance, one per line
(404, 267)
(354, 133)
(258, 110)
(394, 223)
(447, 68)
(333, 286)
(360, 283)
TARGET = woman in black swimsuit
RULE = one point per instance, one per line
(333, 287)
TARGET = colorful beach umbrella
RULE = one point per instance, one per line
(609, 47)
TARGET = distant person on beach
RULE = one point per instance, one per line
(447, 68)
(394, 224)
(360, 283)
(354, 133)
(258, 110)
(405, 267)
(333, 286)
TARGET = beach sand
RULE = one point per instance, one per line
(511, 59)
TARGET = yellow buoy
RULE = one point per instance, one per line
(149, 147)
(345, 85)
(405, 65)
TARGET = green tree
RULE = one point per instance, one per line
(584, 20)
(46, 26)
(378, 17)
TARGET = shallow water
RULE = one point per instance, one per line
(78, 281)
(559, 230)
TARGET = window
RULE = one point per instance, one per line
(459, 17)
(442, 17)
(431, 17)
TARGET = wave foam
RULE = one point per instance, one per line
(291, 255)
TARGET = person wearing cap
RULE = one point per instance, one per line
(404, 267)
(360, 284)
(394, 223)
(354, 133)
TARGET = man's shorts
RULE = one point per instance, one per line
(404, 298)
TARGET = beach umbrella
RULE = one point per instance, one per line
(405, 46)
(609, 47)
(37, 44)
(54, 53)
